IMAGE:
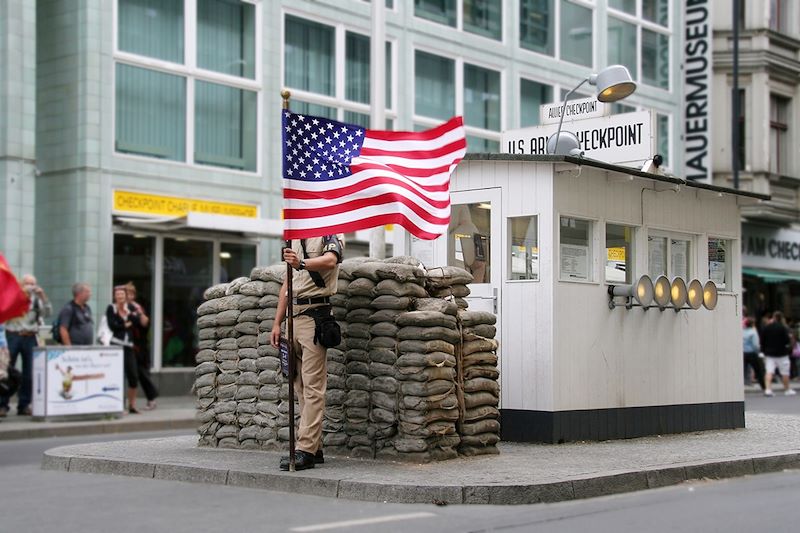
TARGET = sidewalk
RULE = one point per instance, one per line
(172, 413)
(521, 474)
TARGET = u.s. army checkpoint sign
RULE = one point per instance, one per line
(624, 138)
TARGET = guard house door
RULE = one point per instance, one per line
(473, 243)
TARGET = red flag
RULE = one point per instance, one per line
(13, 300)
(341, 177)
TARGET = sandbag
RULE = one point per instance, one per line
(384, 315)
(361, 287)
(482, 385)
(447, 276)
(481, 371)
(384, 384)
(357, 382)
(254, 288)
(480, 330)
(482, 439)
(474, 318)
(383, 355)
(435, 359)
(227, 318)
(381, 369)
(428, 333)
(388, 343)
(416, 346)
(481, 426)
(430, 388)
(477, 399)
(424, 374)
(436, 305)
(247, 365)
(215, 291)
(480, 358)
(391, 302)
(390, 287)
(480, 345)
(429, 403)
(426, 319)
(384, 329)
(273, 273)
(204, 356)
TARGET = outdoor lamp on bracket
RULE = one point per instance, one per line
(613, 83)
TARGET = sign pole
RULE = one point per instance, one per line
(285, 95)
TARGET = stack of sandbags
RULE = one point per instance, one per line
(449, 283)
(426, 370)
(334, 437)
(207, 369)
(271, 417)
(478, 377)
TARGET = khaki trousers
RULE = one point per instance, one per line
(310, 383)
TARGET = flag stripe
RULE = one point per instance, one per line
(366, 212)
(425, 155)
(427, 135)
(431, 175)
(320, 210)
(364, 223)
(402, 145)
(319, 193)
(400, 161)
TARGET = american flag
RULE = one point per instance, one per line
(340, 178)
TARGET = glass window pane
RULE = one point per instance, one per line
(484, 17)
(152, 28)
(468, 239)
(150, 113)
(481, 97)
(134, 262)
(317, 110)
(388, 75)
(532, 95)
(187, 273)
(226, 35)
(679, 258)
(656, 11)
(576, 33)
(309, 56)
(359, 119)
(479, 145)
(656, 256)
(225, 126)
(537, 25)
(524, 252)
(441, 11)
(356, 68)
(434, 86)
(622, 44)
(655, 59)
(575, 249)
(663, 138)
(628, 6)
(617, 108)
(718, 262)
(236, 260)
(619, 253)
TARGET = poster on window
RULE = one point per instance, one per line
(77, 380)
(717, 262)
(656, 255)
(574, 262)
(679, 257)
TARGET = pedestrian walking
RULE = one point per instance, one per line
(75, 322)
(9, 378)
(316, 261)
(141, 346)
(776, 345)
(121, 317)
(752, 356)
(22, 334)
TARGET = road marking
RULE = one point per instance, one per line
(362, 522)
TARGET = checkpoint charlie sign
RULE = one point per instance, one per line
(575, 110)
(623, 138)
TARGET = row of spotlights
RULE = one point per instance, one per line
(662, 293)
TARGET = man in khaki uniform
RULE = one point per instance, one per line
(316, 261)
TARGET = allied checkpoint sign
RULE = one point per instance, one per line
(77, 380)
(627, 138)
(580, 109)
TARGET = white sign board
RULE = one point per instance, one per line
(697, 84)
(575, 110)
(623, 138)
(77, 380)
(776, 248)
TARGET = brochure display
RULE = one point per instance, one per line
(77, 380)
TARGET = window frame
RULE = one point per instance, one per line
(593, 245)
(460, 22)
(782, 133)
(729, 285)
(507, 250)
(634, 266)
(589, 4)
(192, 73)
(523, 76)
(670, 235)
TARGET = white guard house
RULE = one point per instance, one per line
(545, 237)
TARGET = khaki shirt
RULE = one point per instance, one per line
(302, 284)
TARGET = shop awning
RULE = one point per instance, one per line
(772, 276)
(251, 227)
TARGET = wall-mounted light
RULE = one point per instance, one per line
(710, 295)
(662, 292)
(695, 294)
(613, 83)
(678, 293)
(640, 292)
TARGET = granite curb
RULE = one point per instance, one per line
(573, 488)
(72, 429)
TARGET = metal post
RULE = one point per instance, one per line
(377, 66)
(285, 95)
(736, 114)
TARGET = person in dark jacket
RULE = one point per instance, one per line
(141, 347)
(122, 320)
(776, 345)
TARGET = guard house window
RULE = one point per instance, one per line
(219, 83)
(638, 37)
(532, 95)
(523, 254)
(779, 134)
(575, 249)
(669, 256)
(619, 253)
(481, 17)
(538, 20)
(468, 239)
(719, 262)
(312, 59)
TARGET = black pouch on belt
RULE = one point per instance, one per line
(326, 330)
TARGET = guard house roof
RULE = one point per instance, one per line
(582, 161)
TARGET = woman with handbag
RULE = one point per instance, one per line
(141, 347)
(122, 318)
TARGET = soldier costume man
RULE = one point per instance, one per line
(316, 262)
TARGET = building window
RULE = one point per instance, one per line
(576, 33)
(778, 134)
(311, 62)
(639, 37)
(619, 253)
(779, 15)
(482, 99)
(537, 26)
(669, 255)
(663, 144)
(481, 17)
(434, 86)
(575, 249)
(538, 20)
(153, 110)
(523, 255)
(441, 11)
(532, 95)
(719, 262)
(469, 238)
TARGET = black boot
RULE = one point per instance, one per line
(302, 461)
(319, 458)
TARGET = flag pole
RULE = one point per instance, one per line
(285, 95)
(377, 66)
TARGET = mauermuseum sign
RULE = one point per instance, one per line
(697, 74)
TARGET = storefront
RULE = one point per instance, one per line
(172, 249)
(771, 270)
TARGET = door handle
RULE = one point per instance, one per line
(494, 300)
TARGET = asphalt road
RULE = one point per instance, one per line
(42, 501)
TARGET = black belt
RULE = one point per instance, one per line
(312, 301)
(21, 333)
